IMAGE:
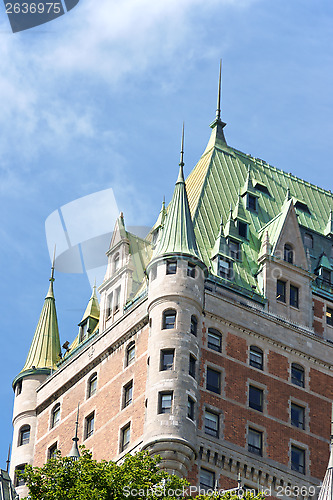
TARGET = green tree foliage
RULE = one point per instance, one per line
(137, 477)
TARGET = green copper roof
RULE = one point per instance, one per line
(92, 309)
(45, 347)
(325, 263)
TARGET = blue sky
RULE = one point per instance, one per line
(96, 100)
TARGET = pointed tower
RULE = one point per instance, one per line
(326, 491)
(42, 359)
(175, 304)
(90, 318)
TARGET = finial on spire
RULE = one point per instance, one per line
(181, 163)
(53, 262)
(8, 460)
(218, 110)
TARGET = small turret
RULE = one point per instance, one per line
(90, 317)
(42, 359)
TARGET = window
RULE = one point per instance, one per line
(308, 240)
(165, 402)
(242, 229)
(326, 276)
(18, 388)
(298, 459)
(190, 408)
(191, 270)
(297, 416)
(194, 325)
(281, 291)
(207, 479)
(252, 202)
(116, 262)
(18, 480)
(55, 416)
(117, 300)
(130, 353)
(167, 356)
(234, 249)
(256, 398)
(302, 206)
(288, 255)
(128, 394)
(109, 301)
(153, 272)
(24, 435)
(90, 424)
(169, 319)
(211, 424)
(192, 366)
(214, 340)
(213, 382)
(84, 331)
(255, 441)
(329, 316)
(293, 299)
(262, 188)
(297, 375)
(256, 357)
(171, 267)
(125, 437)
(224, 268)
(52, 451)
(92, 385)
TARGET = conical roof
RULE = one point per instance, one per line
(92, 309)
(220, 247)
(45, 348)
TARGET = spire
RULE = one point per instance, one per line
(178, 233)
(248, 186)
(217, 136)
(288, 196)
(230, 227)
(220, 247)
(45, 347)
(239, 212)
(8, 460)
(74, 454)
(218, 110)
(326, 491)
(92, 309)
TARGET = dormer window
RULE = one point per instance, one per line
(252, 202)
(302, 207)
(84, 331)
(242, 229)
(234, 249)
(224, 268)
(288, 255)
(325, 275)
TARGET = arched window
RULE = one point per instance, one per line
(297, 375)
(194, 325)
(214, 340)
(24, 435)
(55, 416)
(130, 353)
(256, 357)
(116, 262)
(288, 253)
(92, 385)
(169, 319)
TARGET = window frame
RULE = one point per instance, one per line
(256, 351)
(252, 448)
(194, 325)
(242, 229)
(234, 249)
(288, 253)
(19, 481)
(213, 388)
(163, 409)
(252, 401)
(128, 394)
(52, 450)
(130, 353)
(190, 408)
(89, 425)
(300, 422)
(211, 431)
(92, 385)
(297, 466)
(300, 382)
(192, 366)
(191, 270)
(281, 295)
(225, 271)
(171, 267)
(23, 440)
(163, 366)
(252, 202)
(329, 310)
(169, 313)
(125, 437)
(294, 299)
(55, 415)
(217, 347)
(211, 474)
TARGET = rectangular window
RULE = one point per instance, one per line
(117, 300)
(169, 319)
(297, 375)
(191, 270)
(130, 353)
(281, 291)
(293, 296)
(167, 356)
(128, 394)
(18, 479)
(256, 398)
(298, 459)
(255, 441)
(192, 366)
(297, 416)
(329, 316)
(190, 408)
(211, 424)
(171, 267)
(24, 435)
(109, 302)
(52, 451)
(213, 382)
(165, 402)
(326, 275)
(214, 340)
(242, 229)
(90, 424)
(125, 437)
(207, 479)
(256, 357)
(251, 202)
(234, 249)
(194, 325)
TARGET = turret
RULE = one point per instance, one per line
(90, 317)
(42, 359)
(175, 304)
